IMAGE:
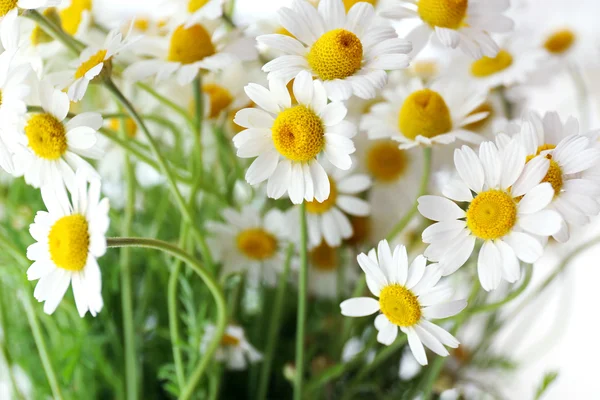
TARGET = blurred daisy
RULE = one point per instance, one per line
(508, 213)
(76, 18)
(187, 50)
(408, 298)
(224, 90)
(51, 149)
(14, 6)
(349, 53)
(298, 134)
(70, 237)
(354, 346)
(250, 242)
(195, 11)
(456, 23)
(325, 265)
(235, 350)
(414, 115)
(409, 367)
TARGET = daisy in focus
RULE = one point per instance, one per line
(415, 115)
(287, 139)
(466, 24)
(51, 150)
(235, 350)
(349, 53)
(508, 213)
(70, 237)
(247, 241)
(408, 298)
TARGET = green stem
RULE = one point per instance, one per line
(301, 317)
(422, 190)
(172, 105)
(274, 325)
(213, 287)
(198, 101)
(173, 320)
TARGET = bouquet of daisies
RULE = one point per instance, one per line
(307, 207)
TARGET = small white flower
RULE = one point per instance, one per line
(408, 298)
(288, 138)
(508, 213)
(349, 53)
(70, 237)
(466, 24)
(235, 350)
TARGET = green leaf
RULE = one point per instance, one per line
(549, 378)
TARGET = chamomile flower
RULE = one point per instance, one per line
(187, 50)
(349, 52)
(508, 213)
(415, 115)
(224, 90)
(194, 11)
(328, 220)
(287, 139)
(247, 241)
(571, 155)
(235, 350)
(408, 298)
(324, 262)
(51, 150)
(14, 6)
(466, 24)
(70, 236)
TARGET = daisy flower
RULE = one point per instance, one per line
(70, 236)
(287, 139)
(224, 90)
(508, 213)
(247, 241)
(414, 115)
(349, 53)
(235, 350)
(323, 276)
(572, 156)
(408, 298)
(466, 24)
(51, 150)
(187, 50)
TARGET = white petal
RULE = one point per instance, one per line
(359, 307)
(439, 208)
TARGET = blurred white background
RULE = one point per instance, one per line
(563, 336)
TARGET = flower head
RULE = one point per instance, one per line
(235, 350)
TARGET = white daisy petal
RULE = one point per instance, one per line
(359, 307)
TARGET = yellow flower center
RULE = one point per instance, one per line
(69, 241)
(70, 17)
(141, 24)
(229, 340)
(386, 162)
(560, 41)
(443, 13)
(47, 136)
(491, 214)
(337, 54)
(324, 258)
(6, 6)
(298, 134)
(256, 244)
(314, 207)
(400, 305)
(90, 63)
(361, 228)
(487, 66)
(116, 124)
(485, 107)
(425, 69)
(195, 5)
(190, 45)
(220, 98)
(554, 175)
(424, 113)
(349, 3)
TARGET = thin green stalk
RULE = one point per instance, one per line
(274, 325)
(199, 104)
(212, 286)
(422, 190)
(172, 105)
(301, 317)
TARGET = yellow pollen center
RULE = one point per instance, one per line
(195, 5)
(298, 134)
(69, 241)
(229, 340)
(324, 258)
(560, 41)
(425, 69)
(349, 3)
(443, 13)
(141, 24)
(6, 6)
(130, 126)
(314, 207)
(400, 305)
(190, 45)
(90, 63)
(485, 107)
(386, 162)
(70, 17)
(256, 244)
(337, 54)
(487, 66)
(220, 98)
(47, 136)
(491, 214)
(424, 113)
(554, 175)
